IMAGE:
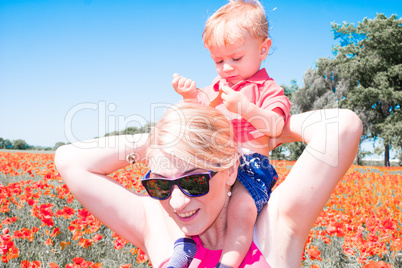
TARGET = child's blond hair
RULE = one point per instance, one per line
(232, 22)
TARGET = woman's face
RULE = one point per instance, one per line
(193, 215)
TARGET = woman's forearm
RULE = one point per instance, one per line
(85, 168)
(101, 156)
(332, 138)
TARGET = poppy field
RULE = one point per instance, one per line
(42, 225)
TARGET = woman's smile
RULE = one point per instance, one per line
(185, 216)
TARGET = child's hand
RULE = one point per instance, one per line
(234, 101)
(185, 87)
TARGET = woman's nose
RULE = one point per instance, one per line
(178, 200)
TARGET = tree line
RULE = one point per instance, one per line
(20, 144)
(364, 75)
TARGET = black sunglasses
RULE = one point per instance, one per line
(192, 185)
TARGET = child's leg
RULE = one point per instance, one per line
(183, 254)
(242, 214)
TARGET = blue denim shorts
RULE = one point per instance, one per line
(258, 176)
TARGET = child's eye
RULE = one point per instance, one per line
(237, 59)
(219, 62)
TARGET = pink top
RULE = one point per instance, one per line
(259, 89)
(205, 258)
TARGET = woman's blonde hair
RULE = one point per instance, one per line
(199, 135)
(232, 22)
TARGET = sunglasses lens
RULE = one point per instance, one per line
(157, 188)
(195, 185)
(191, 185)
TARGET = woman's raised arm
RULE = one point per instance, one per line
(332, 138)
(84, 168)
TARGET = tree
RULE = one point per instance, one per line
(7, 144)
(19, 144)
(322, 89)
(278, 153)
(131, 130)
(57, 145)
(289, 151)
(370, 56)
(289, 91)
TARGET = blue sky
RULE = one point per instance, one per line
(73, 70)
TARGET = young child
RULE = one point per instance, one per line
(237, 39)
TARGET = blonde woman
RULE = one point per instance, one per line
(193, 164)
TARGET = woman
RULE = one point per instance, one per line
(195, 140)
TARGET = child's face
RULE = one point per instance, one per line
(239, 61)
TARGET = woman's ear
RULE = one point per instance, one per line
(264, 48)
(233, 173)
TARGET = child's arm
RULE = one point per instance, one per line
(269, 122)
(185, 87)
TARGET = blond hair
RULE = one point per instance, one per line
(232, 22)
(197, 134)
